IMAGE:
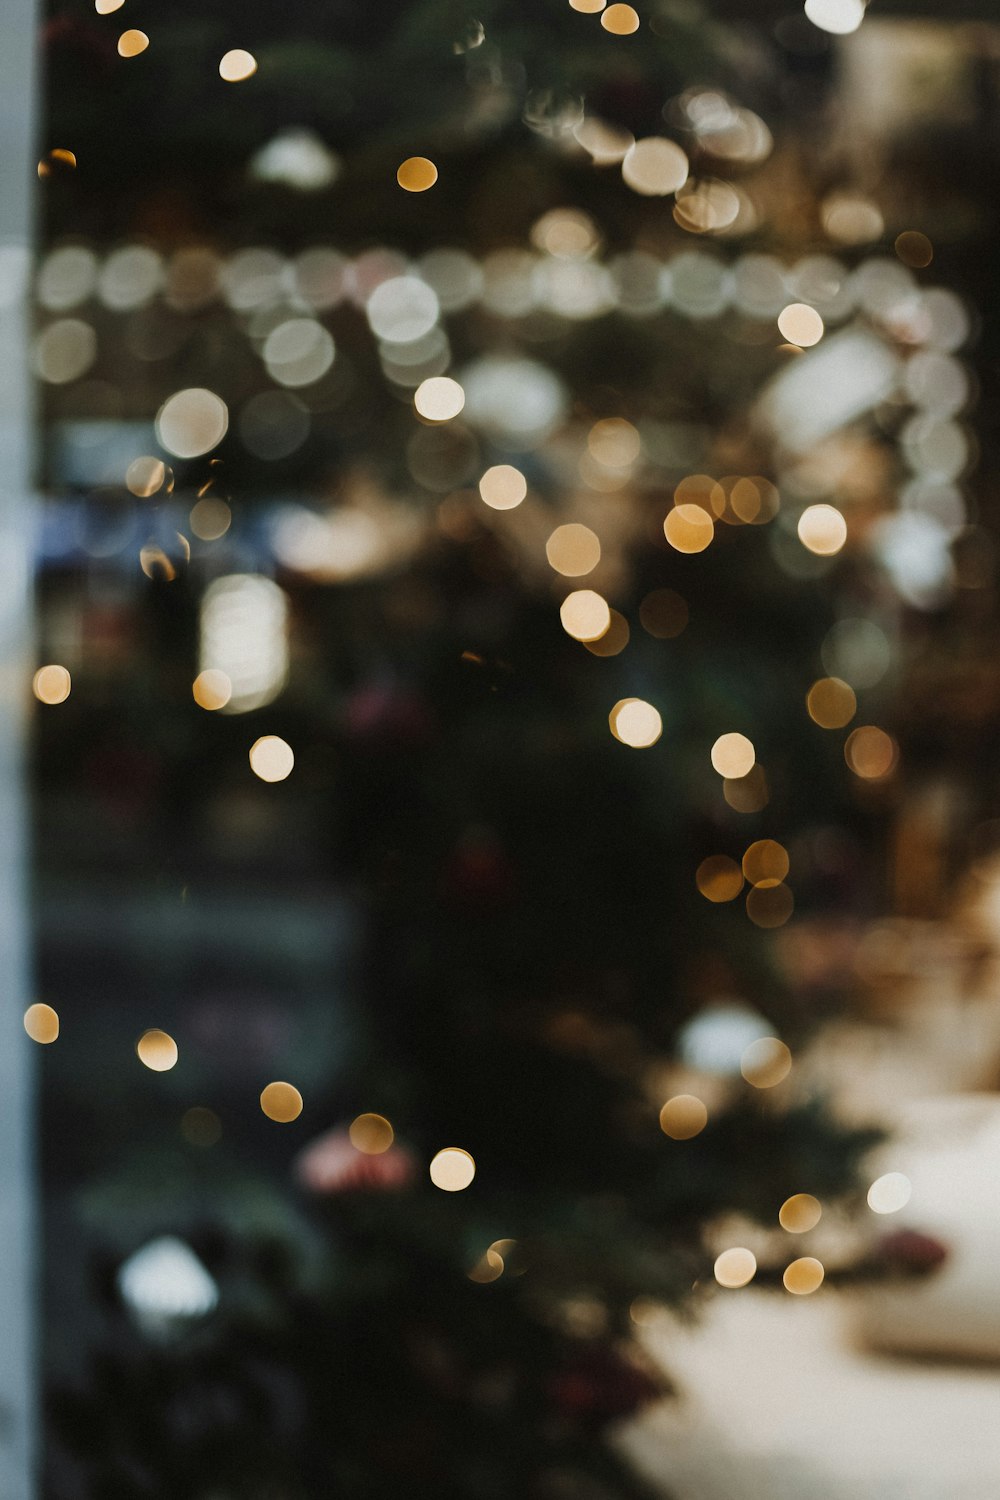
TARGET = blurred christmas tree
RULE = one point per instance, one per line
(562, 851)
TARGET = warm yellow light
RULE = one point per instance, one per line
(107, 7)
(733, 755)
(800, 1213)
(157, 1051)
(588, 7)
(489, 1267)
(688, 528)
(503, 487)
(452, 1169)
(804, 1276)
(719, 878)
(58, 160)
(41, 1023)
(735, 1268)
(144, 476)
(281, 1102)
(620, 20)
(654, 166)
(271, 758)
(614, 443)
(801, 325)
(870, 752)
(211, 689)
(417, 174)
(766, 862)
(573, 550)
(237, 65)
(439, 398)
(635, 723)
(683, 1117)
(766, 1063)
(890, 1193)
(770, 905)
(51, 684)
(585, 615)
(831, 703)
(371, 1134)
(614, 640)
(822, 529)
(192, 422)
(131, 43)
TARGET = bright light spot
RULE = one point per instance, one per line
(870, 752)
(51, 684)
(688, 528)
(165, 1282)
(804, 1276)
(211, 689)
(157, 1051)
(192, 422)
(244, 634)
(719, 878)
(271, 758)
(588, 7)
(65, 350)
(839, 17)
(636, 723)
(801, 325)
(683, 1117)
(800, 1213)
(452, 1169)
(417, 174)
(766, 1063)
(237, 65)
(765, 862)
(439, 399)
(614, 443)
(822, 529)
(298, 352)
(585, 615)
(41, 1023)
(131, 43)
(888, 1194)
(733, 755)
(107, 7)
(614, 640)
(503, 487)
(606, 144)
(831, 703)
(281, 1102)
(620, 20)
(565, 232)
(371, 1134)
(655, 166)
(573, 550)
(851, 221)
(489, 1267)
(735, 1268)
(144, 476)
(402, 309)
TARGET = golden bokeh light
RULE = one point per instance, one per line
(822, 529)
(804, 1276)
(870, 752)
(735, 1268)
(620, 20)
(914, 249)
(654, 166)
(157, 1051)
(838, 17)
(733, 755)
(439, 398)
(107, 7)
(770, 905)
(766, 862)
(719, 878)
(131, 43)
(41, 1023)
(201, 1126)
(831, 702)
(683, 1117)
(889, 1193)
(281, 1102)
(636, 723)
(614, 640)
(688, 528)
(192, 422)
(573, 550)
(585, 615)
(696, 489)
(416, 174)
(237, 65)
(57, 160)
(588, 7)
(503, 487)
(210, 519)
(800, 1213)
(52, 684)
(211, 689)
(271, 758)
(371, 1134)
(145, 476)
(766, 1063)
(155, 563)
(800, 325)
(489, 1267)
(452, 1169)
(614, 443)
(664, 614)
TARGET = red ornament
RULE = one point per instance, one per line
(909, 1251)
(332, 1164)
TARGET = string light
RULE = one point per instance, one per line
(237, 65)
(452, 1170)
(41, 1023)
(271, 758)
(157, 1051)
(281, 1102)
(416, 174)
(735, 1268)
(131, 43)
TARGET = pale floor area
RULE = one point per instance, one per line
(776, 1402)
